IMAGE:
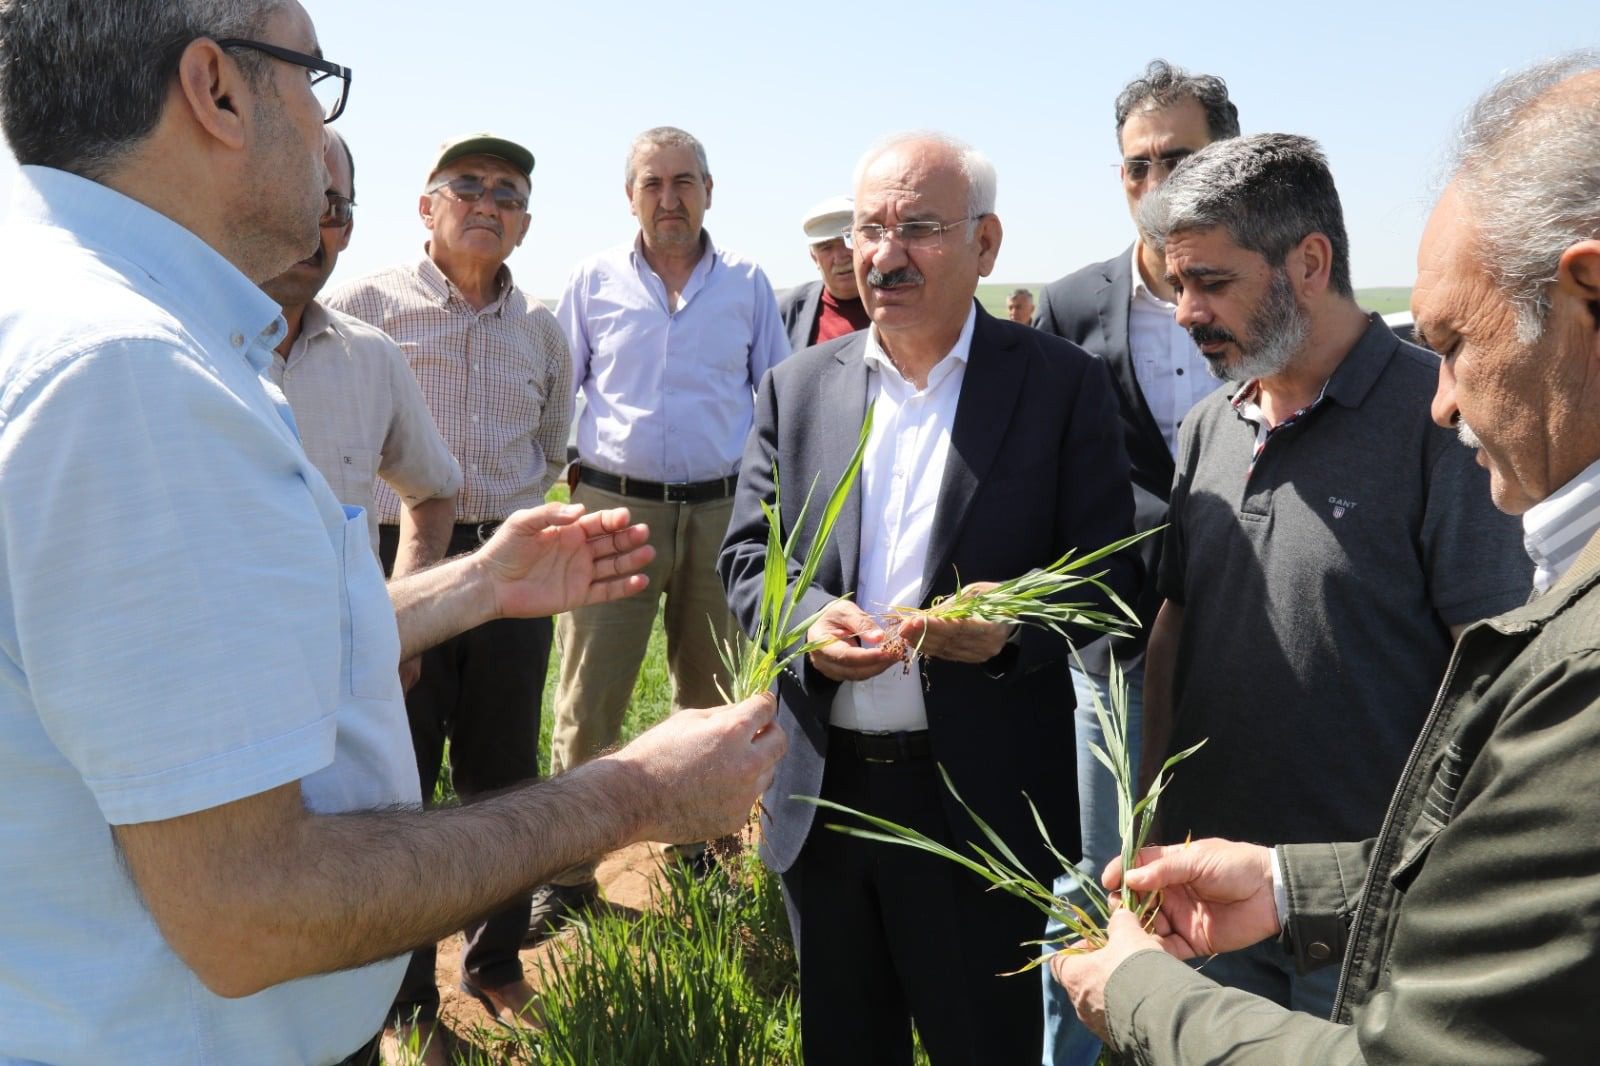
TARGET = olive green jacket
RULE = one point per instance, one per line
(1469, 928)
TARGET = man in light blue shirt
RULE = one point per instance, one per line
(670, 335)
(214, 839)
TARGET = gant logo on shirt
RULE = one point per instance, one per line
(1341, 506)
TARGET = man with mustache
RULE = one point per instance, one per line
(670, 334)
(494, 368)
(355, 401)
(1326, 543)
(822, 310)
(994, 449)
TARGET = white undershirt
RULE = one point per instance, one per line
(901, 472)
(1168, 366)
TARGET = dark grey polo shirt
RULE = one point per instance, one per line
(1317, 597)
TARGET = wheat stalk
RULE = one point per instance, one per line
(1034, 598)
(753, 663)
(999, 865)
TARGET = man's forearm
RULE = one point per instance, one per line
(1160, 666)
(425, 530)
(435, 604)
(312, 894)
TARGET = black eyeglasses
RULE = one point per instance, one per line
(469, 189)
(341, 209)
(330, 93)
(1139, 169)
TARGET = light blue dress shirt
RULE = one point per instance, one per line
(187, 617)
(668, 395)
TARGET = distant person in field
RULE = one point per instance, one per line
(494, 368)
(221, 857)
(830, 307)
(356, 403)
(670, 333)
(1327, 542)
(1019, 306)
(994, 449)
(1467, 927)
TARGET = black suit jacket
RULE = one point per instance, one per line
(1090, 308)
(799, 308)
(1036, 466)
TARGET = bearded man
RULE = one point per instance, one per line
(1327, 540)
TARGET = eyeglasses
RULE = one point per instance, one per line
(340, 210)
(469, 189)
(922, 234)
(1139, 169)
(329, 81)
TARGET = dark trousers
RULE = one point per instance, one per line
(887, 935)
(481, 690)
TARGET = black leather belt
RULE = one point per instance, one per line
(475, 531)
(880, 747)
(669, 492)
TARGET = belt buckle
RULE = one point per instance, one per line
(879, 735)
(674, 493)
(483, 537)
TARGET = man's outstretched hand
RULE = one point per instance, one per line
(552, 558)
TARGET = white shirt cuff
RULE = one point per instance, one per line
(1280, 894)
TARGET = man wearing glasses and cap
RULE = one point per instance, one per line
(494, 368)
(822, 310)
(355, 400)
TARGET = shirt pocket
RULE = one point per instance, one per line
(372, 653)
(357, 469)
(1438, 808)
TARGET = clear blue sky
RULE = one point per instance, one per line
(786, 97)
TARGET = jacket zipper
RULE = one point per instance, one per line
(1380, 848)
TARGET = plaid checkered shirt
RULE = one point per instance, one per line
(498, 382)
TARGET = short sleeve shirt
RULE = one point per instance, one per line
(361, 413)
(188, 617)
(1318, 588)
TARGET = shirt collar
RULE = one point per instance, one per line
(1141, 291)
(697, 276)
(1355, 375)
(1556, 529)
(315, 320)
(173, 257)
(435, 281)
(877, 358)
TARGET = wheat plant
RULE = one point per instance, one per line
(996, 863)
(753, 663)
(1034, 598)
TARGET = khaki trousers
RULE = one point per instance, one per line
(603, 646)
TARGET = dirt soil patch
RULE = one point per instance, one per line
(627, 878)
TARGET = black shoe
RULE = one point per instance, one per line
(556, 905)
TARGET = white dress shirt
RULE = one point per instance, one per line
(901, 472)
(1169, 368)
